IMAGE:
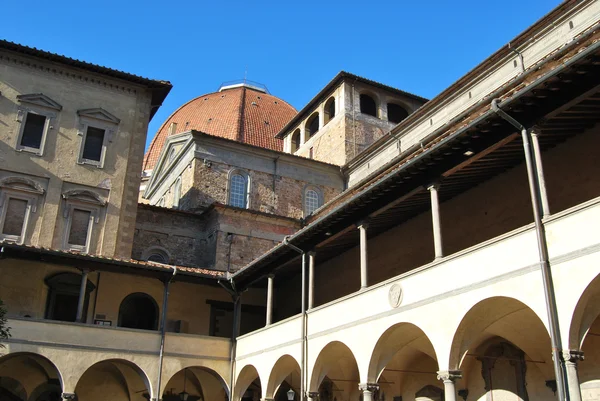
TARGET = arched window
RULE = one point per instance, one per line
(329, 109)
(312, 200)
(63, 296)
(177, 193)
(238, 189)
(138, 311)
(296, 140)
(368, 105)
(396, 113)
(156, 254)
(312, 125)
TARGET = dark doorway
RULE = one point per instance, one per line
(138, 311)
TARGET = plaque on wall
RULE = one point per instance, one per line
(395, 295)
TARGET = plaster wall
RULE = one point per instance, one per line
(76, 90)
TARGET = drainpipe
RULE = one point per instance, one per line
(235, 331)
(163, 329)
(559, 368)
(303, 309)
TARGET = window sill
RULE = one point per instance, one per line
(33, 151)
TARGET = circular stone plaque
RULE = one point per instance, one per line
(395, 295)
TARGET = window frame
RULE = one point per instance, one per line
(246, 176)
(21, 189)
(320, 197)
(38, 104)
(86, 201)
(100, 119)
(375, 100)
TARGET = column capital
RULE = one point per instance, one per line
(536, 130)
(311, 253)
(449, 375)
(570, 355)
(271, 275)
(312, 395)
(433, 186)
(368, 386)
(363, 223)
(69, 396)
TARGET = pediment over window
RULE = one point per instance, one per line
(39, 99)
(22, 183)
(84, 196)
(99, 114)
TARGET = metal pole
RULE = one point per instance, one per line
(163, 328)
(303, 354)
(558, 362)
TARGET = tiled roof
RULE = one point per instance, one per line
(116, 261)
(240, 114)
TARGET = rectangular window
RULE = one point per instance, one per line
(14, 221)
(33, 131)
(80, 224)
(94, 141)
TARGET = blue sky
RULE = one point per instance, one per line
(294, 48)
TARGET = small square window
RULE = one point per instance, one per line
(80, 225)
(14, 220)
(33, 131)
(94, 141)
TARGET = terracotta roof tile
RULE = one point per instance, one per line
(241, 114)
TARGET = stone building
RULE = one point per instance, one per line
(438, 250)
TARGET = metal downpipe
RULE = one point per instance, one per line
(163, 329)
(534, 189)
(303, 311)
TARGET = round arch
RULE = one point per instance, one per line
(247, 378)
(503, 317)
(336, 364)
(114, 379)
(585, 313)
(285, 367)
(25, 373)
(394, 340)
(138, 311)
(198, 382)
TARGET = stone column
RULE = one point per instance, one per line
(362, 227)
(270, 278)
(571, 358)
(313, 396)
(368, 389)
(448, 377)
(311, 279)
(535, 132)
(82, 289)
(435, 217)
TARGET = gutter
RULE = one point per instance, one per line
(415, 158)
(163, 329)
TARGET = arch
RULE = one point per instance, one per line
(312, 199)
(156, 254)
(114, 379)
(396, 113)
(198, 382)
(63, 296)
(238, 188)
(295, 140)
(394, 340)
(329, 110)
(248, 379)
(285, 366)
(503, 317)
(28, 376)
(368, 105)
(336, 362)
(312, 125)
(138, 311)
(585, 313)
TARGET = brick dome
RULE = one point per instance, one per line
(242, 112)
